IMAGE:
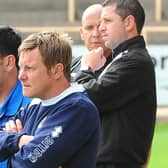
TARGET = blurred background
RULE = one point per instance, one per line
(65, 15)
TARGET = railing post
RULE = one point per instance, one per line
(145, 34)
(158, 10)
(71, 10)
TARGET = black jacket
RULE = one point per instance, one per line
(125, 95)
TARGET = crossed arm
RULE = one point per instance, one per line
(16, 126)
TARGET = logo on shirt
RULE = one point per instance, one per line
(40, 149)
(45, 144)
(56, 132)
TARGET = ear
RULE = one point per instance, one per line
(130, 23)
(9, 62)
(81, 33)
(57, 71)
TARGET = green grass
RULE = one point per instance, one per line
(159, 152)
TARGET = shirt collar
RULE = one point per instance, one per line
(72, 89)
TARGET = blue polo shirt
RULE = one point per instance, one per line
(13, 103)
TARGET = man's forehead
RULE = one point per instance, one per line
(91, 11)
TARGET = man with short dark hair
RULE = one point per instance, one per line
(11, 97)
(125, 92)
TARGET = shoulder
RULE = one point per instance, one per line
(76, 62)
(141, 58)
(76, 59)
(82, 103)
(82, 109)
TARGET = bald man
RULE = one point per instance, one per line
(91, 36)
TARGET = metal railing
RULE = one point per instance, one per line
(75, 29)
(72, 10)
(153, 29)
(158, 10)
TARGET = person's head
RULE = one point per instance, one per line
(45, 61)
(89, 30)
(121, 20)
(9, 43)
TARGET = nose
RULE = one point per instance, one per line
(21, 75)
(96, 32)
(101, 27)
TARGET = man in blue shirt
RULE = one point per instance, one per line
(11, 97)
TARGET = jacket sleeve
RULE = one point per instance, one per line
(8, 144)
(123, 80)
(9, 140)
(58, 138)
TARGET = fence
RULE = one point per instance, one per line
(153, 29)
(72, 10)
(75, 29)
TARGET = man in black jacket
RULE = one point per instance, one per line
(125, 91)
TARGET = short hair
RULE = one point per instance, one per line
(9, 42)
(54, 48)
(125, 8)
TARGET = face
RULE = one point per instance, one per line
(89, 31)
(36, 79)
(112, 27)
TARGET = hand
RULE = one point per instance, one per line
(13, 126)
(25, 139)
(94, 59)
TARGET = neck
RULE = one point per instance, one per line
(56, 89)
(62, 87)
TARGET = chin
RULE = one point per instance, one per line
(26, 94)
(108, 44)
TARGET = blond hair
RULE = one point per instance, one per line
(54, 48)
